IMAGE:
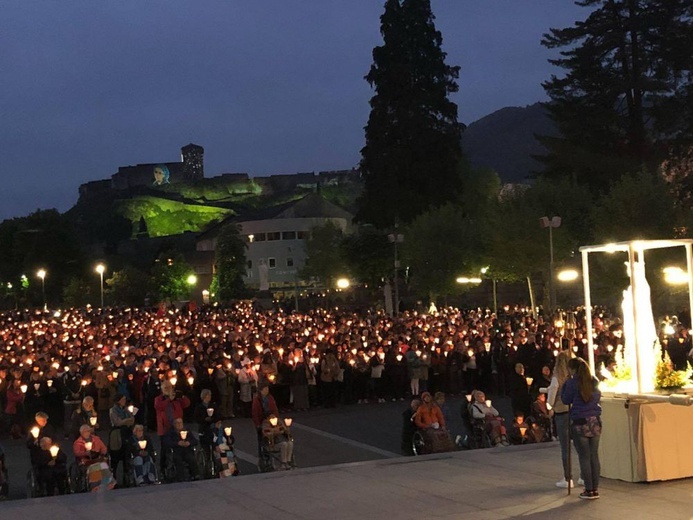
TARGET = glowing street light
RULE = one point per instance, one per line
(191, 279)
(41, 273)
(100, 268)
(675, 276)
(567, 275)
(466, 280)
(343, 283)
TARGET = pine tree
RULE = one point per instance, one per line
(230, 263)
(412, 156)
(626, 99)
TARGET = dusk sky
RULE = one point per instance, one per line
(265, 86)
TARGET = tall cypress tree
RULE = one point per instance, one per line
(413, 153)
(626, 99)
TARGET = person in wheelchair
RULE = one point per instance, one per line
(85, 414)
(142, 455)
(276, 435)
(482, 411)
(40, 430)
(182, 445)
(50, 471)
(92, 464)
(429, 414)
(223, 452)
(543, 417)
(520, 431)
(208, 419)
(262, 407)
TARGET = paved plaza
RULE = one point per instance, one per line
(513, 482)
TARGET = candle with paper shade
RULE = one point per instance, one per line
(529, 380)
(288, 421)
(49, 383)
(228, 430)
(210, 412)
(88, 445)
(92, 420)
(183, 434)
(469, 398)
(173, 380)
(142, 444)
(191, 380)
(488, 403)
(54, 451)
(35, 432)
(273, 421)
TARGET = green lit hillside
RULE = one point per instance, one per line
(167, 217)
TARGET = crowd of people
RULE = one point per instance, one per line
(126, 372)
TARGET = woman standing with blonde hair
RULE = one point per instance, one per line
(560, 413)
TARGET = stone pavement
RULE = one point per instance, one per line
(498, 483)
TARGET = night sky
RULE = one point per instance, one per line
(266, 86)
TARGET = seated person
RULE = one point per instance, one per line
(408, 426)
(51, 472)
(142, 451)
(85, 414)
(90, 454)
(543, 416)
(182, 443)
(520, 431)
(206, 416)
(429, 415)
(493, 422)
(224, 455)
(275, 433)
(4, 488)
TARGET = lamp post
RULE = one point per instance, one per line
(41, 273)
(551, 223)
(191, 280)
(100, 268)
(396, 238)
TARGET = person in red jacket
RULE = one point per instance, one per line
(264, 405)
(429, 415)
(169, 407)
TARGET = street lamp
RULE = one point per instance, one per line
(567, 275)
(100, 268)
(343, 283)
(675, 276)
(551, 223)
(396, 238)
(41, 273)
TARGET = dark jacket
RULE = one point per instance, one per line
(580, 409)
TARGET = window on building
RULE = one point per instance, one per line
(260, 237)
(303, 235)
(289, 262)
(289, 235)
(249, 263)
(272, 263)
(249, 273)
(276, 235)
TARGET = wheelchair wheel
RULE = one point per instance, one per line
(77, 479)
(267, 462)
(418, 444)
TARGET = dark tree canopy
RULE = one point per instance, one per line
(626, 99)
(412, 156)
(230, 263)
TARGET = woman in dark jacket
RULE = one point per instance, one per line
(582, 393)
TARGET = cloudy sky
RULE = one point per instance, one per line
(266, 86)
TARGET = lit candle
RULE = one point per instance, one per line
(488, 403)
(523, 430)
(191, 380)
(49, 383)
(143, 444)
(210, 411)
(174, 380)
(54, 451)
(228, 430)
(92, 420)
(23, 389)
(183, 434)
(469, 398)
(35, 431)
(88, 445)
(273, 421)
(288, 421)
(529, 380)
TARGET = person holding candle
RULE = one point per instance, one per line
(122, 421)
(169, 406)
(276, 433)
(14, 409)
(40, 429)
(91, 456)
(481, 409)
(182, 445)
(142, 452)
(85, 414)
(582, 393)
(247, 379)
(224, 455)
(73, 391)
(50, 470)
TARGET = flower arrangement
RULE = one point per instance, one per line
(667, 378)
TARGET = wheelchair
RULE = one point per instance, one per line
(425, 442)
(477, 437)
(170, 471)
(35, 489)
(78, 475)
(129, 476)
(270, 456)
(4, 488)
